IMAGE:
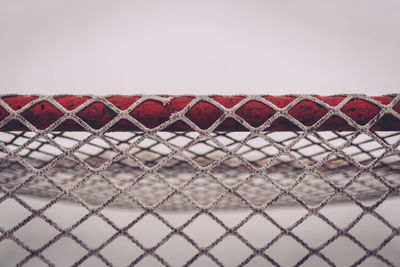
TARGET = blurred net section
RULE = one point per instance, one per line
(203, 155)
(309, 168)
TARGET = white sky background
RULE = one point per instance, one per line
(199, 47)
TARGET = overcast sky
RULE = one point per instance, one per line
(203, 47)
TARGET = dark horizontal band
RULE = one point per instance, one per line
(186, 113)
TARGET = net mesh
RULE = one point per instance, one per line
(211, 154)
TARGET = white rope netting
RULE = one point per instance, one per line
(154, 171)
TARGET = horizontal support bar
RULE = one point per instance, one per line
(186, 113)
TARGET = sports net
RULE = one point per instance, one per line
(202, 156)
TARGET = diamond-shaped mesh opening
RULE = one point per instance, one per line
(263, 181)
(49, 114)
(43, 233)
(309, 150)
(285, 170)
(93, 231)
(76, 212)
(67, 179)
(87, 189)
(121, 251)
(311, 189)
(231, 251)
(19, 213)
(177, 251)
(258, 191)
(277, 251)
(139, 231)
(339, 179)
(150, 190)
(123, 172)
(334, 212)
(366, 187)
(96, 152)
(149, 151)
(257, 118)
(196, 114)
(370, 239)
(64, 252)
(177, 171)
(120, 217)
(232, 171)
(265, 233)
(325, 231)
(204, 152)
(308, 112)
(18, 252)
(97, 115)
(204, 236)
(204, 190)
(343, 246)
(286, 216)
(13, 174)
(354, 113)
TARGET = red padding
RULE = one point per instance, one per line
(152, 113)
